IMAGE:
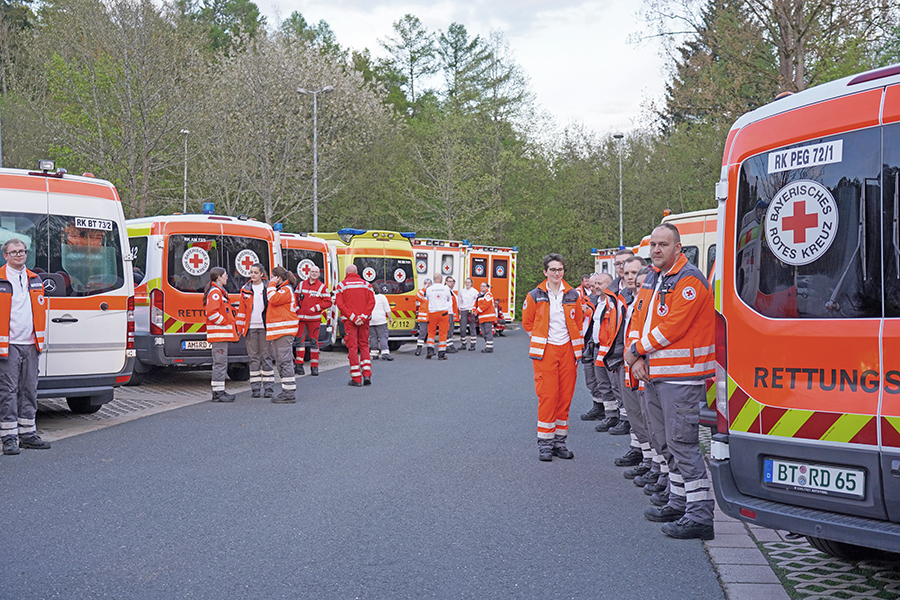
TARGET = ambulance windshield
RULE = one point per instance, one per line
(192, 256)
(387, 275)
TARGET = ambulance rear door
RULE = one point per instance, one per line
(23, 215)
(87, 243)
(300, 254)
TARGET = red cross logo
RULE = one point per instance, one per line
(800, 221)
(195, 260)
(247, 262)
(304, 269)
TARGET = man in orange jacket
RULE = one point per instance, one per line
(23, 314)
(487, 315)
(355, 299)
(672, 350)
(552, 316)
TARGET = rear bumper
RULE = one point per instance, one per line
(861, 531)
(165, 350)
(77, 386)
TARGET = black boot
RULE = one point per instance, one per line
(597, 413)
(545, 450)
(442, 356)
(636, 471)
(629, 459)
(418, 350)
(314, 371)
(222, 397)
(298, 370)
(623, 428)
(429, 353)
(607, 424)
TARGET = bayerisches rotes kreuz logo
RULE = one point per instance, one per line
(689, 293)
(369, 274)
(801, 222)
(244, 260)
(195, 261)
(304, 267)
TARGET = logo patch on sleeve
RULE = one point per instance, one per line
(689, 293)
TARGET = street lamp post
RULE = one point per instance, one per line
(185, 133)
(315, 93)
(619, 137)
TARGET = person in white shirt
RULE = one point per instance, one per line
(468, 320)
(378, 328)
(440, 303)
(259, 350)
(23, 313)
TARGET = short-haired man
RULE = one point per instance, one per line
(597, 381)
(440, 303)
(618, 265)
(422, 315)
(355, 298)
(487, 315)
(313, 299)
(671, 350)
(23, 315)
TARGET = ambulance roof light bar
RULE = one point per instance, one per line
(46, 166)
(408, 234)
(209, 208)
(278, 226)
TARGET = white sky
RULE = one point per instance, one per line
(575, 52)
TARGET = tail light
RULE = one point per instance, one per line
(157, 317)
(129, 343)
(721, 374)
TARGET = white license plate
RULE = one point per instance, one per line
(814, 478)
(402, 324)
(196, 345)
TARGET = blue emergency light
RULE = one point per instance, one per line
(408, 234)
(278, 227)
(209, 208)
(351, 231)
(515, 248)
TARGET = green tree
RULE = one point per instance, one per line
(413, 53)
(464, 62)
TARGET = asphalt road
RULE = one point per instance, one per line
(398, 490)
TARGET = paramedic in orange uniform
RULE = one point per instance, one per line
(220, 330)
(671, 349)
(355, 299)
(552, 316)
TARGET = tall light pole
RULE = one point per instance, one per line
(315, 93)
(185, 133)
(619, 137)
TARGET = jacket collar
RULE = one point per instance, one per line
(543, 285)
(680, 263)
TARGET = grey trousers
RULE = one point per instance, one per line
(219, 366)
(423, 333)
(639, 430)
(674, 415)
(378, 338)
(283, 348)
(487, 332)
(604, 387)
(259, 349)
(468, 326)
(18, 391)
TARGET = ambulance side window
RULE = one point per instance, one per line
(28, 228)
(88, 258)
(299, 260)
(808, 239)
(891, 232)
(138, 258)
(710, 258)
(692, 253)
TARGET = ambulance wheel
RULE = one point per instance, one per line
(841, 549)
(82, 405)
(394, 346)
(239, 372)
(137, 378)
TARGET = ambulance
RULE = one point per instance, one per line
(698, 236)
(604, 259)
(74, 228)
(385, 260)
(447, 257)
(496, 266)
(171, 259)
(808, 316)
(299, 253)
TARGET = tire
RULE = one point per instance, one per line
(239, 372)
(87, 405)
(137, 378)
(394, 346)
(842, 550)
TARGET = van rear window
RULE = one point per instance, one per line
(387, 275)
(80, 257)
(192, 256)
(809, 238)
(299, 261)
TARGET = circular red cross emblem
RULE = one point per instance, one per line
(195, 261)
(369, 274)
(304, 267)
(244, 260)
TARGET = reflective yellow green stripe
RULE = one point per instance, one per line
(136, 230)
(749, 412)
(895, 422)
(194, 327)
(846, 428)
(790, 423)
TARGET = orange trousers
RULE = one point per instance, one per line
(437, 330)
(554, 381)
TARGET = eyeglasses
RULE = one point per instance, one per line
(555, 270)
(619, 264)
(17, 253)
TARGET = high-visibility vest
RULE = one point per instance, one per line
(485, 309)
(355, 298)
(422, 306)
(281, 313)
(536, 319)
(38, 309)
(220, 319)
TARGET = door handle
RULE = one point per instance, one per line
(64, 320)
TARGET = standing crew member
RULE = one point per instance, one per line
(440, 303)
(619, 259)
(671, 349)
(487, 314)
(378, 328)
(251, 323)
(312, 300)
(596, 380)
(220, 330)
(281, 325)
(553, 318)
(422, 316)
(468, 323)
(454, 315)
(356, 300)
(23, 315)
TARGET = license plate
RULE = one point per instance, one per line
(196, 345)
(815, 478)
(402, 324)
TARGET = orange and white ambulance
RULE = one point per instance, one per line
(496, 266)
(698, 236)
(447, 257)
(384, 259)
(808, 316)
(299, 253)
(604, 259)
(171, 259)
(74, 228)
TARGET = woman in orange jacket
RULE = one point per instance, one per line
(553, 317)
(220, 330)
(281, 325)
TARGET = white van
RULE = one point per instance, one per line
(74, 228)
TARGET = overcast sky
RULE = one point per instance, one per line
(575, 53)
